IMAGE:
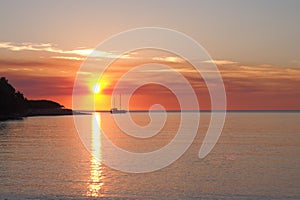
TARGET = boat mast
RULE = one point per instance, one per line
(114, 101)
(120, 101)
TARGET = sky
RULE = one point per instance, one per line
(255, 45)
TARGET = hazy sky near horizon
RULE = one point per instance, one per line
(258, 39)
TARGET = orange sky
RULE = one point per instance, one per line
(47, 75)
(255, 45)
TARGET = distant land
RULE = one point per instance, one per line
(13, 104)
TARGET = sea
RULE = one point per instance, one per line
(257, 156)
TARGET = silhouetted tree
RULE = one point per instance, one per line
(11, 101)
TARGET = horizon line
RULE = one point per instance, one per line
(142, 110)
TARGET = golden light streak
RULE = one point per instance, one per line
(96, 177)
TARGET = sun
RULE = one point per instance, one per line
(96, 88)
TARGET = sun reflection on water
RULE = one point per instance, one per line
(96, 178)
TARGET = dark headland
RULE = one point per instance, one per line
(13, 104)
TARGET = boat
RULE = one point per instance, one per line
(115, 110)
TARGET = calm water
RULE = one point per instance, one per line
(256, 157)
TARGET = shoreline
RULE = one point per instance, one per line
(40, 112)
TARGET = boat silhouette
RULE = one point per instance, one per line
(115, 110)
